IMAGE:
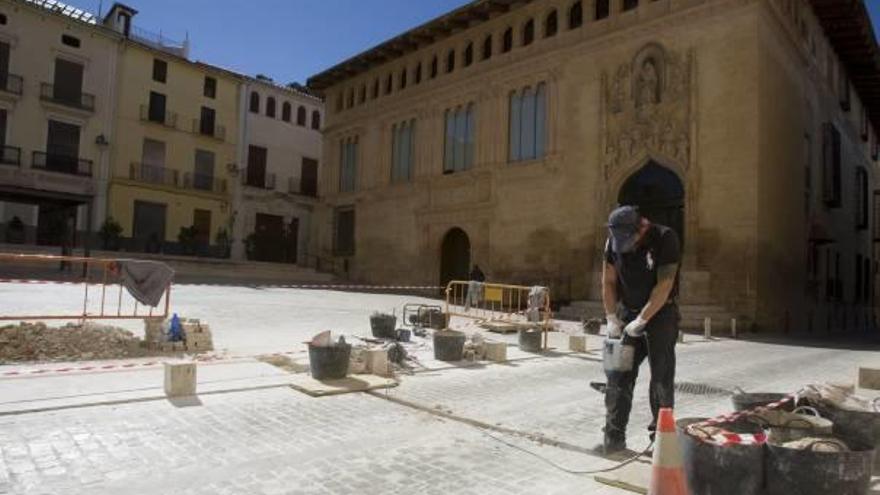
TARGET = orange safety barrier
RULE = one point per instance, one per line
(497, 303)
(100, 272)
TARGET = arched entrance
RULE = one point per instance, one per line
(659, 194)
(455, 256)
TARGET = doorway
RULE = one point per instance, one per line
(269, 238)
(455, 256)
(659, 194)
(149, 226)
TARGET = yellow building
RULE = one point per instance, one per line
(176, 130)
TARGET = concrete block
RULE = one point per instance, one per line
(577, 343)
(869, 378)
(496, 351)
(377, 362)
(180, 379)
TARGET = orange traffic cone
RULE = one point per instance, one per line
(668, 476)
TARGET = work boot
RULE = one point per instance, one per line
(612, 444)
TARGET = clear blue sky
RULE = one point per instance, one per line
(289, 40)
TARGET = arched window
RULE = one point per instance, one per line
(418, 75)
(469, 54)
(403, 78)
(551, 24)
(255, 102)
(603, 8)
(270, 107)
(507, 40)
(487, 47)
(528, 34)
(434, 67)
(376, 88)
(450, 61)
(389, 84)
(576, 15)
(301, 116)
(527, 124)
(285, 111)
(316, 120)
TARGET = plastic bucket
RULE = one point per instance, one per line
(530, 340)
(384, 326)
(449, 345)
(329, 362)
(807, 472)
(747, 401)
(722, 470)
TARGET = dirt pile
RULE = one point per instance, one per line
(72, 342)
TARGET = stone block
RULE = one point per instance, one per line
(180, 379)
(496, 351)
(869, 378)
(377, 362)
(577, 343)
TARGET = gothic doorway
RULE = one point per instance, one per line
(659, 194)
(455, 256)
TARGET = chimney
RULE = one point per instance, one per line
(119, 18)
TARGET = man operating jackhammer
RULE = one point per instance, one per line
(639, 290)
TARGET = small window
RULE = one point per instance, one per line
(403, 78)
(603, 9)
(160, 70)
(861, 197)
(551, 24)
(351, 98)
(418, 75)
(3, 19)
(630, 4)
(487, 47)
(844, 90)
(864, 124)
(831, 166)
(469, 55)
(343, 238)
(434, 64)
(507, 40)
(301, 116)
(376, 89)
(389, 84)
(286, 111)
(528, 34)
(68, 40)
(255, 102)
(362, 96)
(450, 61)
(210, 89)
(270, 107)
(316, 120)
(576, 14)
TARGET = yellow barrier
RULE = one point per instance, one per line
(507, 305)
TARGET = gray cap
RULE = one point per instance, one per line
(623, 225)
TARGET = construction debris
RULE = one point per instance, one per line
(71, 342)
(158, 336)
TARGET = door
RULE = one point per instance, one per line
(149, 225)
(204, 171)
(56, 225)
(206, 123)
(4, 66)
(308, 182)
(157, 107)
(153, 162)
(202, 225)
(62, 147)
(269, 238)
(68, 82)
(455, 257)
(292, 241)
(659, 194)
(256, 171)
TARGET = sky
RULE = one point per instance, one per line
(289, 40)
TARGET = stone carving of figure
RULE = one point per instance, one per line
(618, 90)
(625, 146)
(668, 143)
(681, 147)
(647, 85)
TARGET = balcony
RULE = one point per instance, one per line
(54, 94)
(268, 181)
(206, 128)
(203, 182)
(152, 174)
(62, 164)
(10, 155)
(11, 83)
(169, 119)
(295, 186)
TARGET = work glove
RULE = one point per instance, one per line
(636, 328)
(614, 328)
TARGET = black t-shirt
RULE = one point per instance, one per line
(637, 271)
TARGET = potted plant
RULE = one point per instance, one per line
(15, 231)
(110, 233)
(224, 243)
(187, 240)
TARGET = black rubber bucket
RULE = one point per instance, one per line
(717, 470)
(530, 340)
(746, 401)
(449, 345)
(807, 472)
(855, 424)
(329, 362)
(384, 326)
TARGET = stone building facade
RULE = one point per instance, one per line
(746, 125)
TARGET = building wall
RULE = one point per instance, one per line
(35, 38)
(184, 98)
(733, 102)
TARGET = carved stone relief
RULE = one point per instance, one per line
(647, 108)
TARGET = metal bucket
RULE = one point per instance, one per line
(746, 401)
(530, 340)
(807, 472)
(384, 326)
(722, 470)
(449, 345)
(329, 362)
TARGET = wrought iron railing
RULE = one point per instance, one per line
(60, 163)
(10, 155)
(267, 183)
(204, 182)
(295, 185)
(54, 94)
(168, 119)
(207, 129)
(153, 174)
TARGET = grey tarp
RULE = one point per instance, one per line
(146, 281)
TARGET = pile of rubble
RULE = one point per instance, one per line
(196, 336)
(74, 341)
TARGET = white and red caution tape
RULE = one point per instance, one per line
(724, 438)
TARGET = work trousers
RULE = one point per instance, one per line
(658, 345)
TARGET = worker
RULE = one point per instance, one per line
(639, 290)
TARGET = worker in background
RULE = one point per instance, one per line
(477, 275)
(639, 290)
